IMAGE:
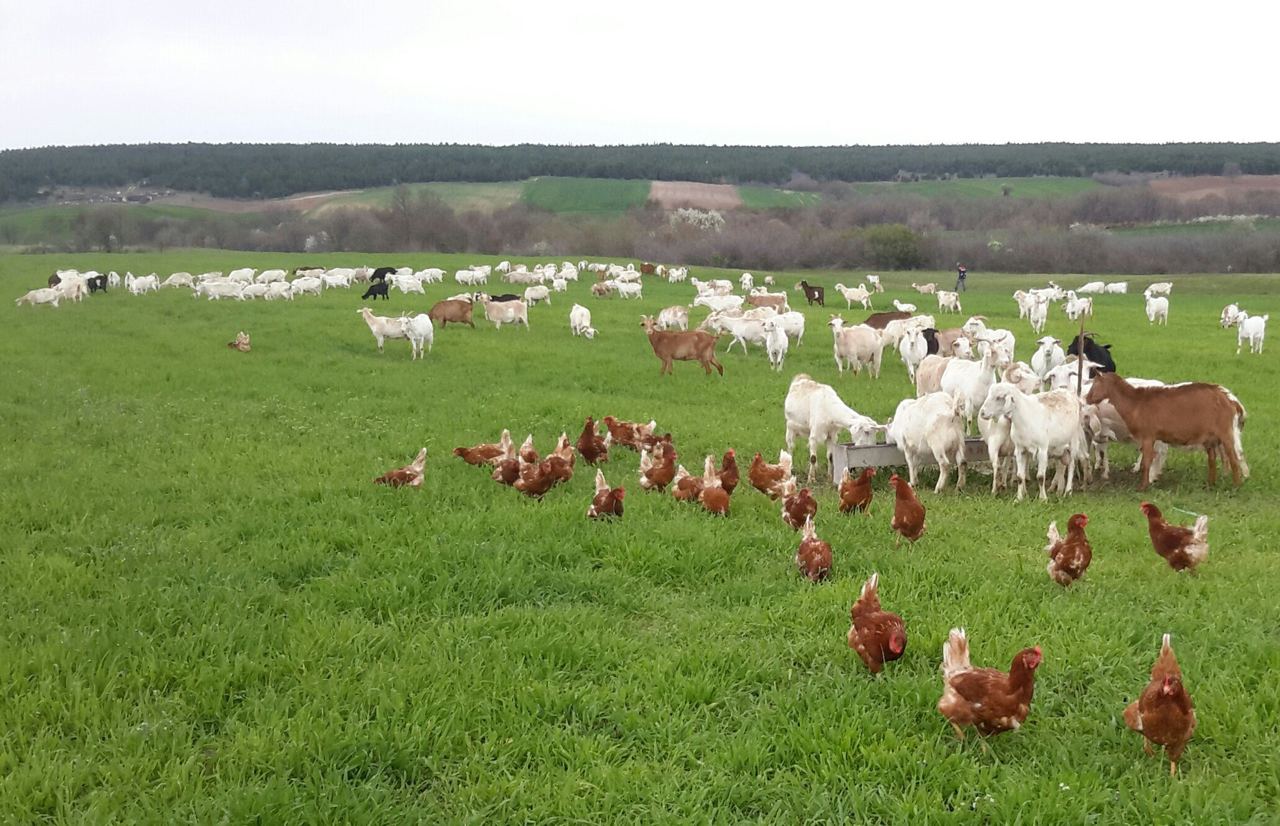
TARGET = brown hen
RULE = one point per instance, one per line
(877, 635)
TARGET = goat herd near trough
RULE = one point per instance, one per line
(966, 377)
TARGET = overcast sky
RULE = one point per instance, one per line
(552, 71)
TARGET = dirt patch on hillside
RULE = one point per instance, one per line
(302, 202)
(676, 194)
(1201, 186)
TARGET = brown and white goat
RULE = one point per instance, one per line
(1193, 414)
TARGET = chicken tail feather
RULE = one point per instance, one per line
(955, 654)
(1201, 530)
(1053, 536)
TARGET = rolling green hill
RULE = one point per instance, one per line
(586, 195)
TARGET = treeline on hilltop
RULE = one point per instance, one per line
(275, 170)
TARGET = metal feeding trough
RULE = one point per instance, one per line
(856, 457)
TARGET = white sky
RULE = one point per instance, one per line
(562, 71)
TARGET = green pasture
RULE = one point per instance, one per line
(1034, 187)
(212, 615)
(766, 197)
(585, 195)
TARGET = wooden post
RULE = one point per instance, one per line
(1080, 360)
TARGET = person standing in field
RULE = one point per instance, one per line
(961, 274)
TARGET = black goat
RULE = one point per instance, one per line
(381, 273)
(98, 282)
(1099, 354)
(375, 290)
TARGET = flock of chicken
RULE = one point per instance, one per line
(989, 700)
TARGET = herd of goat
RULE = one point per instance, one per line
(966, 377)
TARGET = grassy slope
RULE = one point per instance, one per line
(984, 187)
(579, 195)
(211, 614)
(461, 196)
(765, 197)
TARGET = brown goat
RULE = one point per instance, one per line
(777, 302)
(1194, 414)
(879, 320)
(454, 309)
(671, 345)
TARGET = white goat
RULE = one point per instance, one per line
(1047, 425)
(536, 293)
(856, 346)
(718, 302)
(674, 318)
(1001, 340)
(902, 307)
(776, 342)
(792, 323)
(580, 321)
(1076, 306)
(44, 295)
(814, 411)
(913, 348)
(969, 381)
(1253, 329)
(419, 330)
(382, 327)
(309, 285)
(1038, 313)
(139, 286)
(744, 331)
(627, 289)
(1157, 310)
(859, 294)
(504, 312)
(948, 301)
(218, 290)
(1048, 355)
(930, 427)
(1117, 288)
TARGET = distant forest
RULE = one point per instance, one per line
(275, 170)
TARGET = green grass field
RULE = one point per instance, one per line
(765, 197)
(1040, 187)
(211, 615)
(585, 195)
